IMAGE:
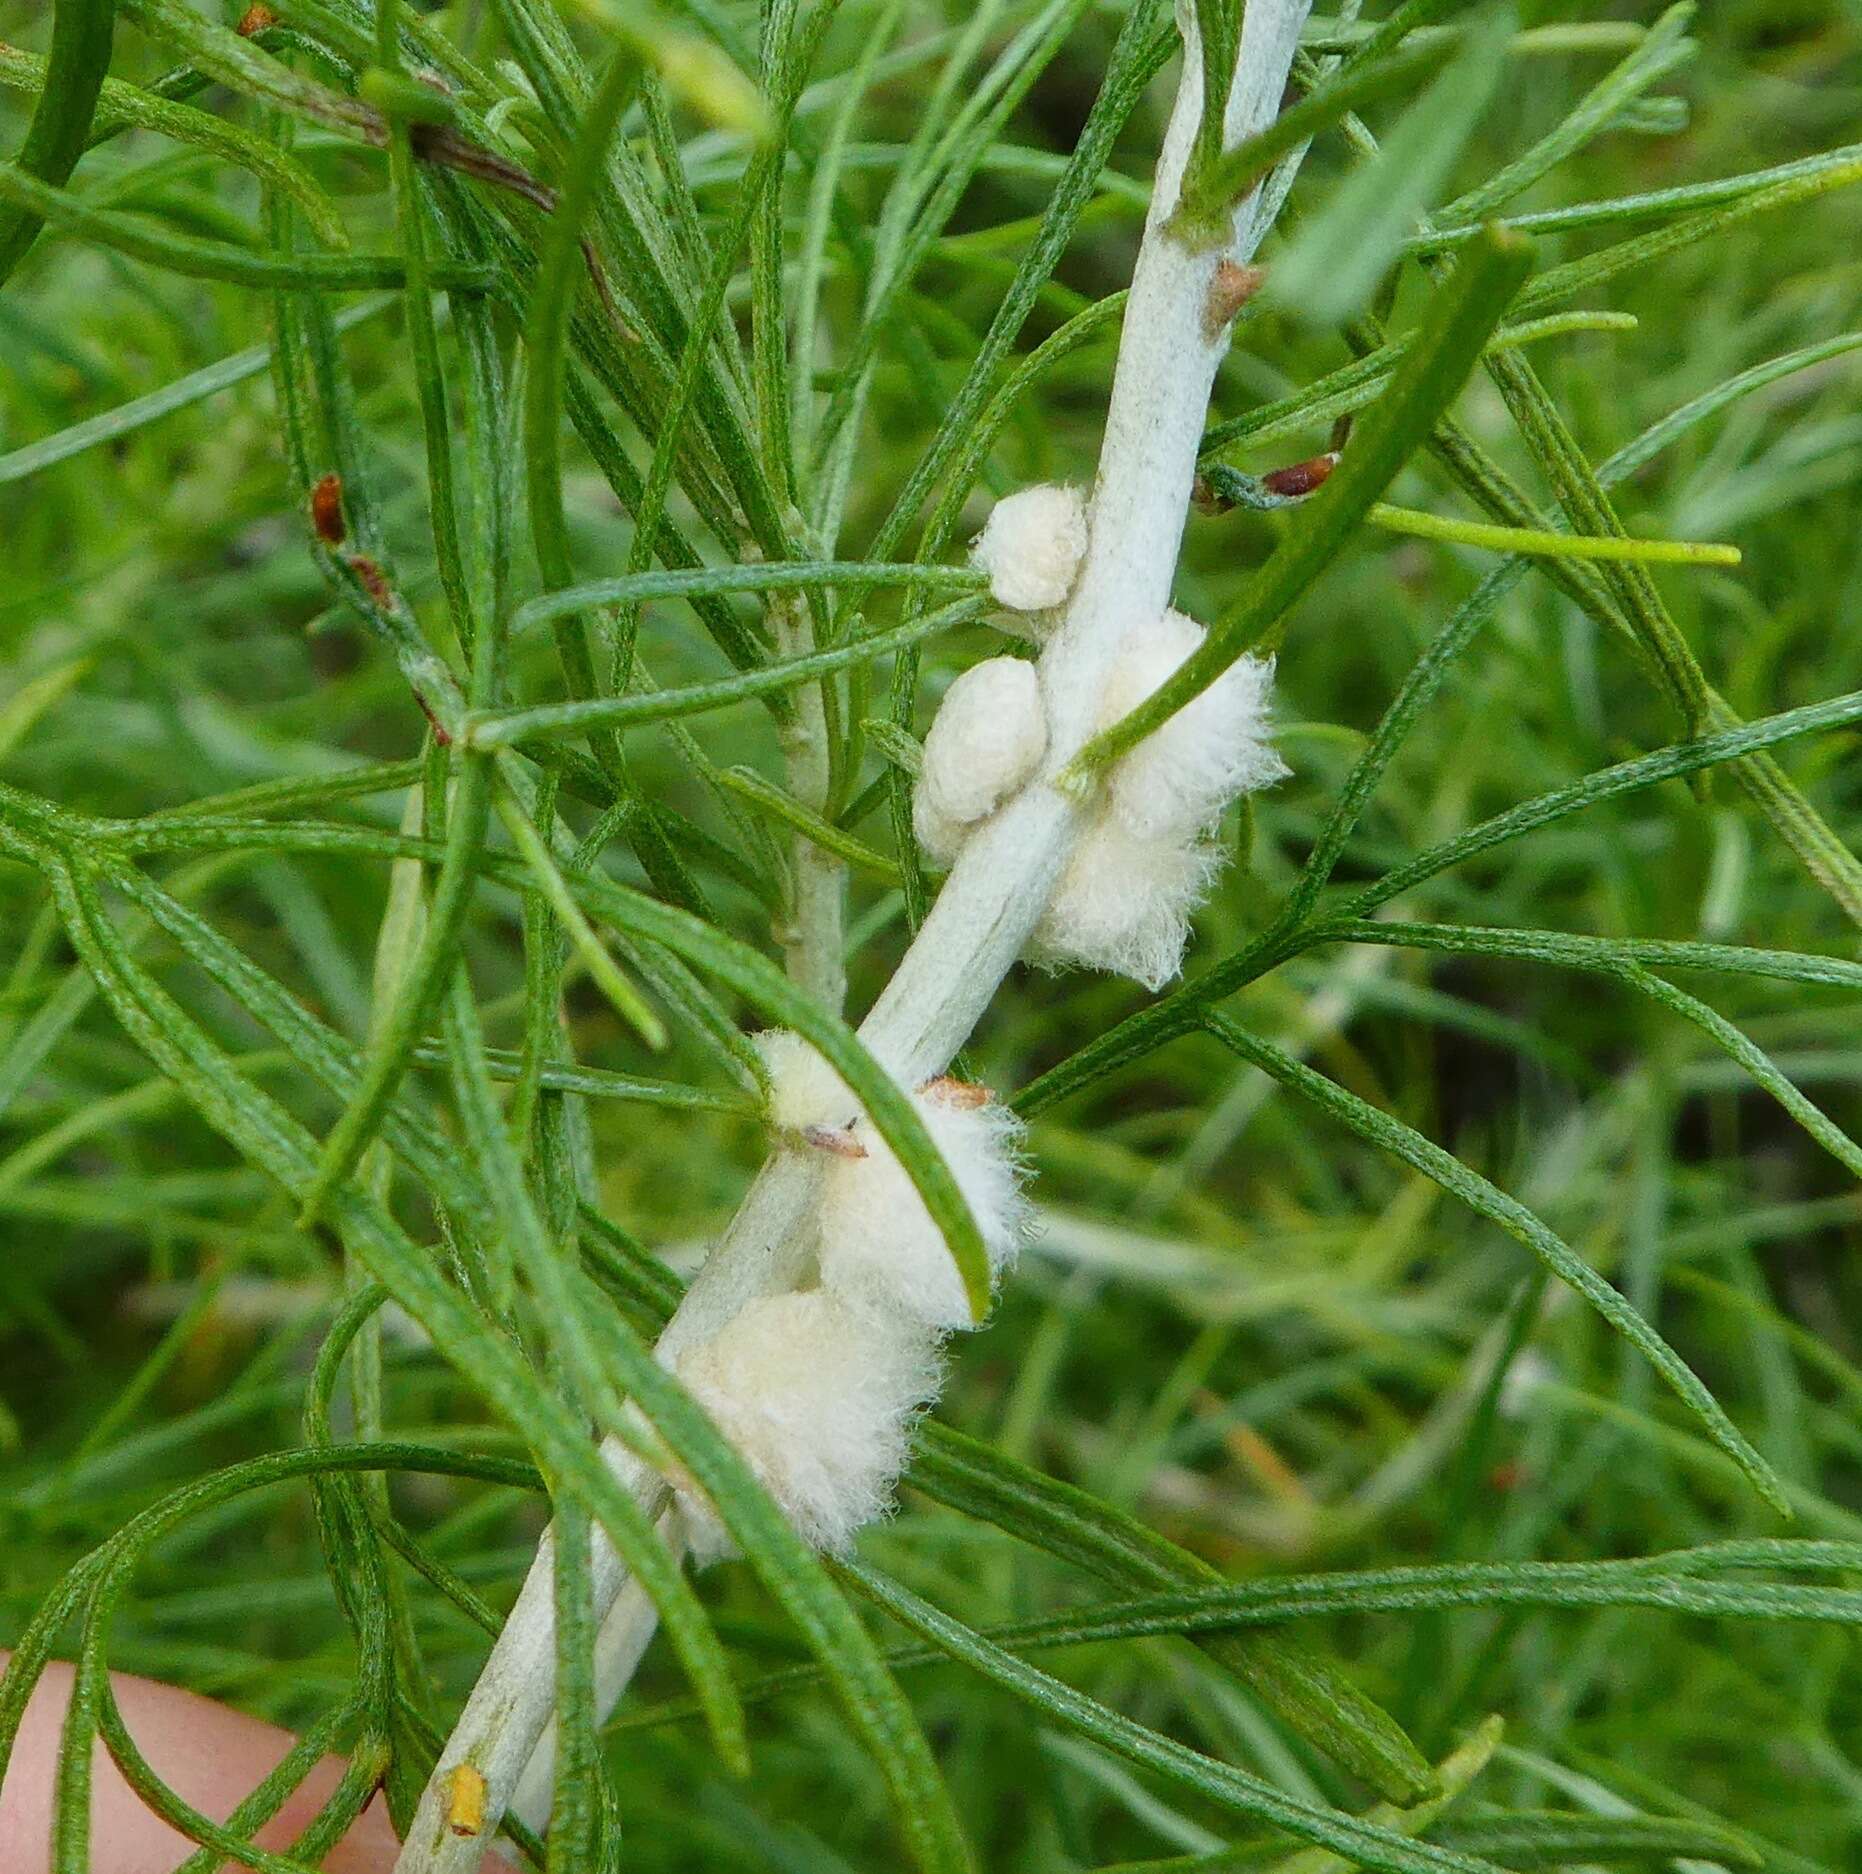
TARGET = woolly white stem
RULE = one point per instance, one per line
(1168, 355)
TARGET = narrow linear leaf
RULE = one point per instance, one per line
(1364, 1843)
(124, 106)
(628, 1002)
(768, 798)
(1711, 1581)
(1209, 195)
(392, 1046)
(1542, 543)
(1334, 264)
(39, 202)
(616, 712)
(82, 31)
(1528, 1839)
(1403, 1142)
(1311, 1695)
(30, 458)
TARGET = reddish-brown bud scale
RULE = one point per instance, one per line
(374, 582)
(326, 510)
(255, 19)
(1300, 478)
(1231, 289)
(948, 1091)
(441, 734)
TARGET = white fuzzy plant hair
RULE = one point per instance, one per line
(818, 1389)
(819, 1401)
(1031, 547)
(804, 1091)
(1145, 860)
(1178, 780)
(879, 1246)
(1124, 902)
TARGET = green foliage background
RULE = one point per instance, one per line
(1244, 1323)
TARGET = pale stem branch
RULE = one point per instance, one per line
(510, 1707)
(1168, 354)
(812, 942)
(623, 1639)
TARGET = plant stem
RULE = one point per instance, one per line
(508, 1713)
(1168, 355)
(625, 1636)
(811, 940)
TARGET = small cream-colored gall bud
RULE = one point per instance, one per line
(937, 833)
(1031, 547)
(986, 740)
(805, 1093)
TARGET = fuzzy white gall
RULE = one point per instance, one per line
(938, 835)
(1031, 547)
(819, 1401)
(1145, 860)
(987, 738)
(1124, 903)
(804, 1090)
(879, 1247)
(1176, 782)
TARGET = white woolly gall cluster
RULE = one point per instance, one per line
(1145, 861)
(986, 741)
(819, 1402)
(818, 1389)
(879, 1245)
(1031, 547)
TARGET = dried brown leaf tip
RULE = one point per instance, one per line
(255, 19)
(1300, 478)
(465, 1800)
(1231, 289)
(948, 1091)
(326, 510)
